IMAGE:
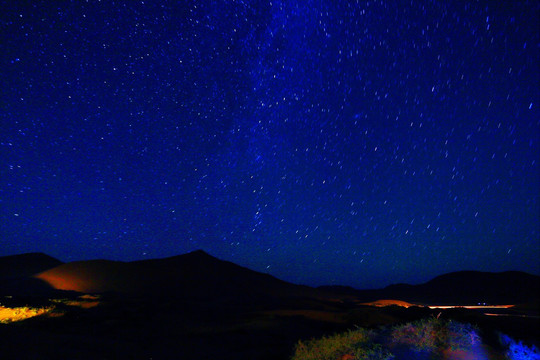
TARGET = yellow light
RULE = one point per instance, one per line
(8, 315)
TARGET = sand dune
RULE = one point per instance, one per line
(95, 276)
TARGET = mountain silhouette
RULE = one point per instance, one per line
(460, 288)
(202, 276)
(193, 275)
(195, 306)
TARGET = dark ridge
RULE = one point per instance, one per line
(197, 255)
(192, 275)
(512, 287)
(198, 252)
(16, 273)
(24, 265)
(459, 277)
(200, 275)
(461, 288)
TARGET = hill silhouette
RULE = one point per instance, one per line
(200, 275)
(512, 287)
(24, 265)
(16, 274)
(195, 306)
(193, 275)
(459, 288)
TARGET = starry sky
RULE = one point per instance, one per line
(322, 141)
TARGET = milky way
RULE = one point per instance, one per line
(324, 142)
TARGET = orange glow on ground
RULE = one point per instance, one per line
(62, 281)
(81, 303)
(9, 315)
(389, 302)
(90, 277)
(84, 301)
(514, 315)
(471, 306)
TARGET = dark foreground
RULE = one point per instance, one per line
(195, 306)
(253, 328)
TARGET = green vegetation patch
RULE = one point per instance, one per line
(352, 345)
(431, 335)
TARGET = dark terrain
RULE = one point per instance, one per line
(459, 288)
(195, 306)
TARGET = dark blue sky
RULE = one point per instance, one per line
(324, 142)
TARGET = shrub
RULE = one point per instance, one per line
(431, 335)
(421, 335)
(436, 335)
(519, 351)
(352, 345)
(462, 336)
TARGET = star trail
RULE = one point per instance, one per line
(324, 142)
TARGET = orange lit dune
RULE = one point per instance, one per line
(95, 276)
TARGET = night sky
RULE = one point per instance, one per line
(323, 142)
